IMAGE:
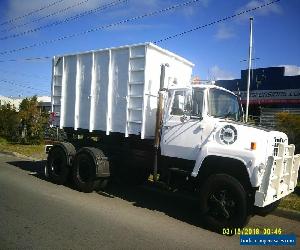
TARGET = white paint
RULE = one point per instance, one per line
(114, 90)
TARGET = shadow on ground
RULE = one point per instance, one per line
(174, 204)
(36, 168)
(177, 205)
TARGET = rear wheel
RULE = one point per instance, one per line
(84, 170)
(224, 203)
(57, 165)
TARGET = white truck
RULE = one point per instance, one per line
(132, 111)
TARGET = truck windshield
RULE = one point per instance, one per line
(224, 105)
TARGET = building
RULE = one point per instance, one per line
(14, 102)
(272, 90)
(44, 102)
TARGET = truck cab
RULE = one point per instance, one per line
(237, 167)
(191, 115)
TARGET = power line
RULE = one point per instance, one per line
(31, 59)
(214, 22)
(125, 21)
(101, 27)
(31, 12)
(23, 86)
(43, 17)
(103, 7)
(253, 59)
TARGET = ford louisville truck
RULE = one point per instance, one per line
(131, 111)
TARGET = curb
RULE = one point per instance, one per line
(287, 213)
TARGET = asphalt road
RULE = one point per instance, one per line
(37, 214)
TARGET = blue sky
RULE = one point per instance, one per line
(216, 51)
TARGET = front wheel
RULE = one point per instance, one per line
(223, 203)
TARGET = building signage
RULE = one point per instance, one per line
(281, 96)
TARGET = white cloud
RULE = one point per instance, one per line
(125, 9)
(62, 10)
(20, 7)
(291, 70)
(191, 10)
(270, 9)
(224, 32)
(133, 27)
(205, 3)
(216, 73)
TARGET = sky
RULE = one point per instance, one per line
(45, 28)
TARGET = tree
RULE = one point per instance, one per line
(290, 124)
(9, 122)
(33, 121)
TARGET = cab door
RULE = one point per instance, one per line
(183, 127)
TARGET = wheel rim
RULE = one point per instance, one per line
(222, 205)
(57, 164)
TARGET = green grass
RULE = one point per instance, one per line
(36, 151)
(292, 201)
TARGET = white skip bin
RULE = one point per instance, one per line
(113, 90)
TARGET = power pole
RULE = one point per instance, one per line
(249, 68)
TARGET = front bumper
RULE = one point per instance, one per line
(280, 176)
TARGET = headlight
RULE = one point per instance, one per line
(228, 134)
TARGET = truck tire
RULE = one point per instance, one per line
(223, 202)
(57, 165)
(84, 170)
(263, 211)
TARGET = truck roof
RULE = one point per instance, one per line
(202, 86)
(211, 86)
(164, 51)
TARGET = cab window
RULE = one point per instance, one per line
(197, 103)
(178, 103)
